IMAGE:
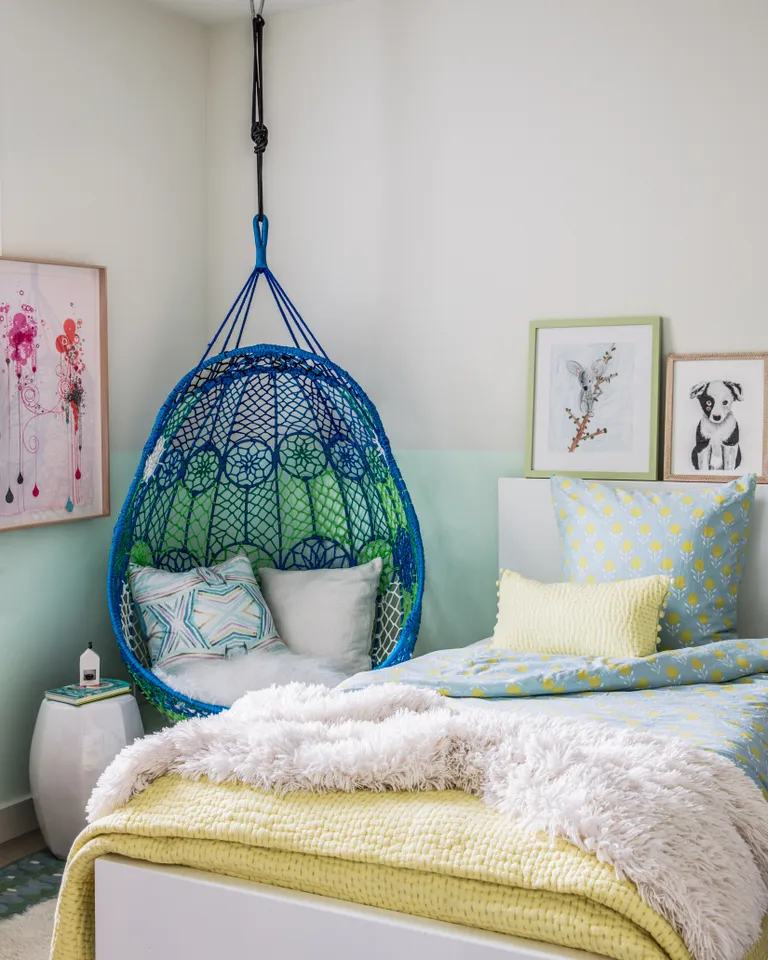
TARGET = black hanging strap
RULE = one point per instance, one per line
(259, 132)
(233, 326)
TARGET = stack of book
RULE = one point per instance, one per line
(78, 696)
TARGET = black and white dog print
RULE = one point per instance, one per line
(717, 435)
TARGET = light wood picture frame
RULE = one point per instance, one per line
(716, 416)
(54, 417)
(594, 398)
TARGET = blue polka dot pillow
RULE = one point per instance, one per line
(699, 539)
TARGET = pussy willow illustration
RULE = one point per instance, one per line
(28, 356)
(591, 383)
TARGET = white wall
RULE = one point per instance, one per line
(439, 173)
(442, 172)
(102, 134)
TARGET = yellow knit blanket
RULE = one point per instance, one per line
(443, 855)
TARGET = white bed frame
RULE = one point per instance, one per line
(146, 911)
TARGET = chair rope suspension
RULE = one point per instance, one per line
(259, 132)
(233, 326)
(273, 450)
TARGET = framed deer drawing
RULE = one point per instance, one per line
(593, 398)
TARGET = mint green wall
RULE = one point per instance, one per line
(53, 586)
(52, 603)
(455, 496)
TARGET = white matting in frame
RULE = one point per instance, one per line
(53, 393)
(594, 397)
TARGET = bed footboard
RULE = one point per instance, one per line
(146, 911)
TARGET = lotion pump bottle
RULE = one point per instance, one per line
(90, 670)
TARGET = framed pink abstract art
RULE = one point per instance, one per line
(54, 463)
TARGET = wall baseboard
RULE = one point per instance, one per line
(17, 819)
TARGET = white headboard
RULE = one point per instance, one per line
(530, 544)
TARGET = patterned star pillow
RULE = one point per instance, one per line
(204, 612)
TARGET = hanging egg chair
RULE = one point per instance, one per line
(275, 451)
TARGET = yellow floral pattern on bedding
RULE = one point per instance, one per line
(698, 539)
(715, 695)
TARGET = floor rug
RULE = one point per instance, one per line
(29, 881)
(28, 891)
(27, 936)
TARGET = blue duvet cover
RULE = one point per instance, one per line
(714, 695)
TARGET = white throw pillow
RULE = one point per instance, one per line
(326, 613)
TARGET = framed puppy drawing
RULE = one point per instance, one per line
(716, 424)
(593, 398)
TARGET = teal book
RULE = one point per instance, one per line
(78, 696)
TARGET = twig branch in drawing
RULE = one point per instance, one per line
(591, 383)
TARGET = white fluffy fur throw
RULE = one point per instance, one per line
(685, 825)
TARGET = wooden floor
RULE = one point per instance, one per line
(21, 847)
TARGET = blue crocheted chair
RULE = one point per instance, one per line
(277, 451)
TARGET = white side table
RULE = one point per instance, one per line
(71, 748)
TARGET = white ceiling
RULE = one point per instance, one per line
(212, 11)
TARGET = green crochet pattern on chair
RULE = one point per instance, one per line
(277, 453)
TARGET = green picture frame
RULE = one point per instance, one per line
(588, 388)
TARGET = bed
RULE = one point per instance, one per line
(186, 894)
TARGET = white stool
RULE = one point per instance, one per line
(71, 748)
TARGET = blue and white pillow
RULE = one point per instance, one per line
(204, 612)
(698, 539)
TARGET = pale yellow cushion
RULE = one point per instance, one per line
(579, 619)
